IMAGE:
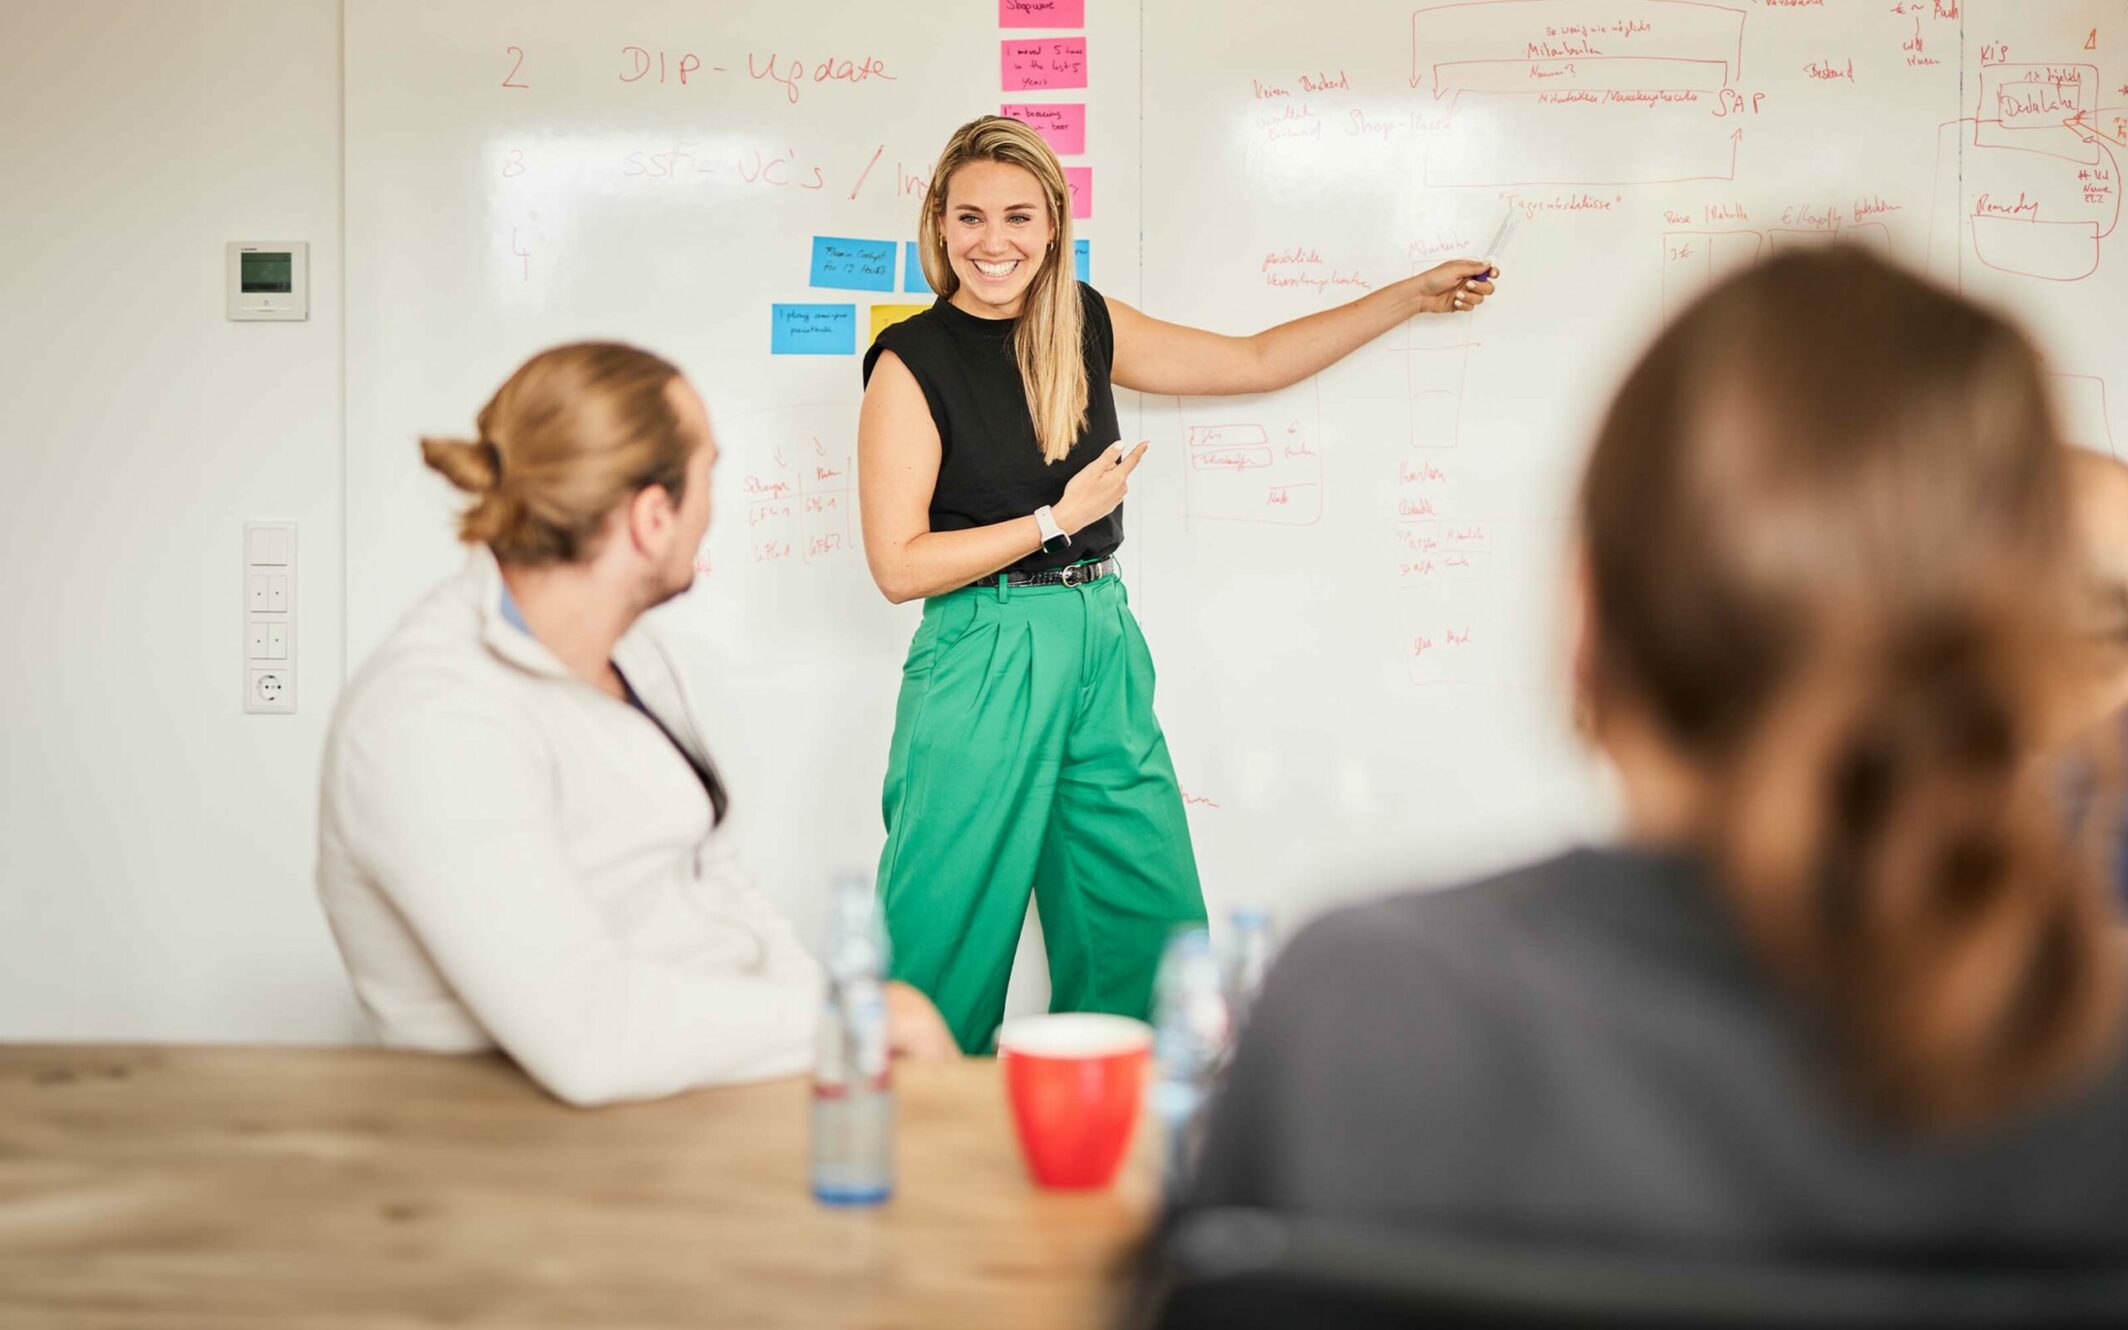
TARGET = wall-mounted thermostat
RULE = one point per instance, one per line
(269, 279)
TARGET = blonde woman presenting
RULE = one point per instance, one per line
(1025, 755)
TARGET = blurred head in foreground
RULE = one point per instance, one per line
(1835, 601)
(2099, 489)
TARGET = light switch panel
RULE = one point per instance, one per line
(270, 617)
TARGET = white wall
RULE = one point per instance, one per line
(155, 841)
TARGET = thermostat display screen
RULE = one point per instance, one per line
(269, 273)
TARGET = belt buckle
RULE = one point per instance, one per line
(1072, 574)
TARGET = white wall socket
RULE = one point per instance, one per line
(269, 617)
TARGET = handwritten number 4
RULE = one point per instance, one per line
(509, 79)
(2091, 42)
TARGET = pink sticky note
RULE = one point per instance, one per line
(1057, 62)
(1062, 125)
(1080, 179)
(1041, 13)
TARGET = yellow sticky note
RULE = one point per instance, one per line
(886, 316)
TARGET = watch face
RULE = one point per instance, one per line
(1056, 542)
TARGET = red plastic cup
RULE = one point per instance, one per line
(1075, 1081)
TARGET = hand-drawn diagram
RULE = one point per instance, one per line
(1464, 587)
(2042, 188)
(1554, 95)
(1465, 571)
(798, 481)
(2031, 189)
(1243, 465)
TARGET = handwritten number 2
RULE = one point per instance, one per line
(507, 78)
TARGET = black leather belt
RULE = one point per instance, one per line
(1078, 574)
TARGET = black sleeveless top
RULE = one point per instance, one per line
(990, 467)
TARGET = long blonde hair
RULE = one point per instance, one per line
(1047, 340)
(573, 432)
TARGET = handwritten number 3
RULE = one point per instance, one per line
(506, 81)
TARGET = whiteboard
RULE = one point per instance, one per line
(1352, 587)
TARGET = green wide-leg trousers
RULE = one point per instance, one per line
(1026, 758)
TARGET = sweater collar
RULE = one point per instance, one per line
(502, 625)
(642, 660)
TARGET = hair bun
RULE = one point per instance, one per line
(473, 465)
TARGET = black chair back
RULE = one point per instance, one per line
(1249, 1270)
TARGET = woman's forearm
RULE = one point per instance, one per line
(935, 562)
(1292, 351)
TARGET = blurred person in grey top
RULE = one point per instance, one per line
(1849, 988)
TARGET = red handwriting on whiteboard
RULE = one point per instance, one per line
(1729, 102)
(1988, 206)
(781, 172)
(1810, 218)
(801, 507)
(1292, 121)
(668, 165)
(791, 71)
(869, 164)
(636, 65)
(509, 80)
(1318, 281)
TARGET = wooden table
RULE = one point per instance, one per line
(282, 1189)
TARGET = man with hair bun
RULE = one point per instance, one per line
(523, 841)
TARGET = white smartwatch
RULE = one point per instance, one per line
(1053, 537)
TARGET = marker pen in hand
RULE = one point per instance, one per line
(1505, 233)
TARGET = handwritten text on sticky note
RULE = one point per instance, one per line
(853, 265)
(1082, 258)
(1081, 181)
(1062, 125)
(1041, 13)
(812, 330)
(1058, 62)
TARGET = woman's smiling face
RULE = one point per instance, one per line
(997, 236)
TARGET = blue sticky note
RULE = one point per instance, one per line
(912, 270)
(812, 330)
(1082, 258)
(853, 265)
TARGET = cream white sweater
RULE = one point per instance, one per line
(510, 857)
